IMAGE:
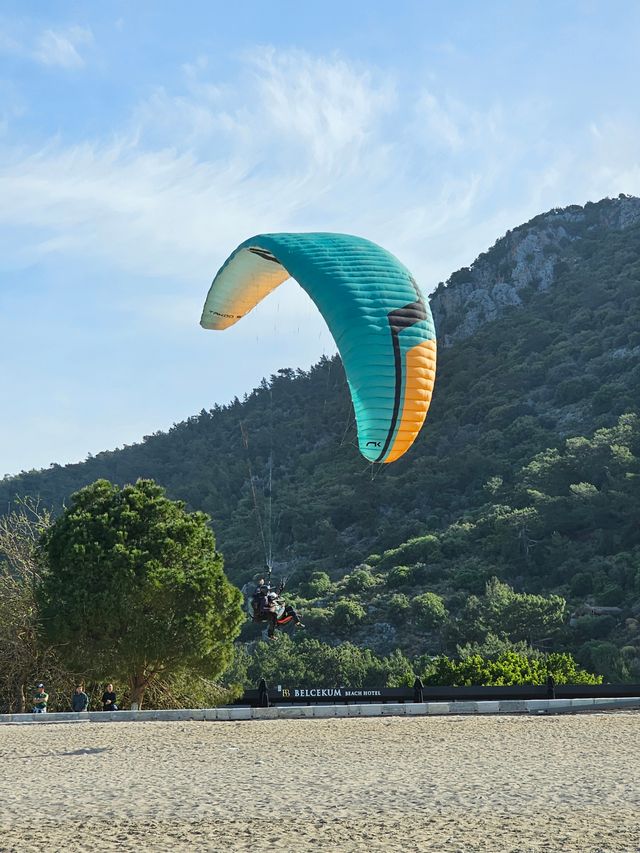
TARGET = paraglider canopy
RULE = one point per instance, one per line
(380, 322)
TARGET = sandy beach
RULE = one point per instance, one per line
(569, 783)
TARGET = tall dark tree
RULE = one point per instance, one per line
(135, 588)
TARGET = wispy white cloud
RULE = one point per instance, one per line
(300, 142)
(439, 123)
(8, 44)
(329, 108)
(447, 124)
(12, 105)
(614, 154)
(198, 170)
(62, 48)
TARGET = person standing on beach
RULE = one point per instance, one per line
(109, 699)
(79, 700)
(40, 699)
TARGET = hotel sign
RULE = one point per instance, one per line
(329, 693)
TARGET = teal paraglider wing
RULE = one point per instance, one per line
(380, 322)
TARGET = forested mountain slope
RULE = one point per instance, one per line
(539, 343)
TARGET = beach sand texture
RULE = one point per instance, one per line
(569, 783)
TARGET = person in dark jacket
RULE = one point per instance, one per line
(255, 598)
(79, 700)
(109, 699)
(266, 610)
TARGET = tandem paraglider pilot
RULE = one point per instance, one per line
(267, 605)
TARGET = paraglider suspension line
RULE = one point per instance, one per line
(254, 494)
(269, 554)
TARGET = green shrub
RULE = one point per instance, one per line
(318, 584)
(399, 576)
(398, 606)
(359, 580)
(348, 613)
(428, 611)
(508, 669)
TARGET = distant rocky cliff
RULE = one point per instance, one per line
(524, 259)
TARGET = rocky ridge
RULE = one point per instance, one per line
(524, 260)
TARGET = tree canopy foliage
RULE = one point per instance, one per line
(309, 663)
(135, 587)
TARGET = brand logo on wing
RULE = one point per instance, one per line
(230, 316)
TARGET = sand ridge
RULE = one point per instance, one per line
(503, 783)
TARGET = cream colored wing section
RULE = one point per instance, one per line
(373, 307)
(248, 276)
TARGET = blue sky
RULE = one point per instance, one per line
(141, 142)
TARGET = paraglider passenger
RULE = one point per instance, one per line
(291, 611)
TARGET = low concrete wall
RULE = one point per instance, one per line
(292, 712)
